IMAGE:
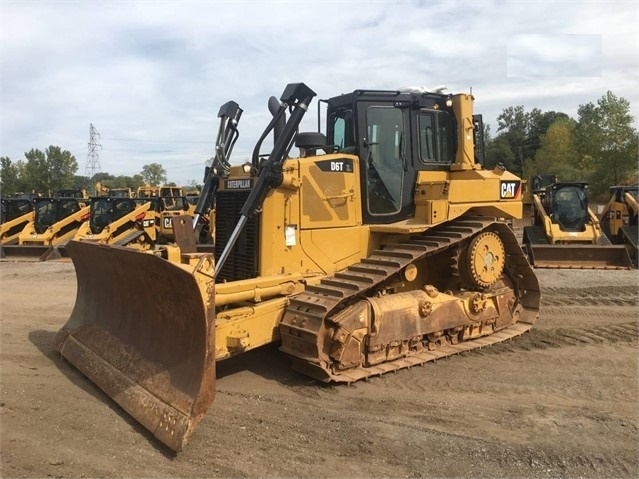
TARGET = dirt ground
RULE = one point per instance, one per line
(560, 401)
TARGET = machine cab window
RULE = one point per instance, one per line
(434, 137)
(571, 208)
(341, 130)
(385, 159)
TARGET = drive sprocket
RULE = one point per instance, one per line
(485, 259)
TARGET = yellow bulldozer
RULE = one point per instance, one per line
(566, 233)
(619, 218)
(382, 246)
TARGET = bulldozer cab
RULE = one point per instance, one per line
(567, 205)
(396, 135)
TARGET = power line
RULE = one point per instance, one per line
(161, 141)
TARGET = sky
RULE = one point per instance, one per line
(150, 76)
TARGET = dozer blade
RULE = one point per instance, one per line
(142, 329)
(579, 256)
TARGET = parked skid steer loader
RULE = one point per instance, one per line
(619, 219)
(567, 234)
(122, 221)
(15, 213)
(53, 223)
(377, 249)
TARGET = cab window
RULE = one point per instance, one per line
(385, 167)
(341, 128)
(434, 137)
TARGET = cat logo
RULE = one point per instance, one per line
(509, 189)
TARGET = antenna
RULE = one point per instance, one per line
(93, 158)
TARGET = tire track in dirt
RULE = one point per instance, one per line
(590, 313)
(626, 333)
(599, 296)
(563, 464)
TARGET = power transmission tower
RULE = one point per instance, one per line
(93, 158)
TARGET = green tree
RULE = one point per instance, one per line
(558, 153)
(499, 151)
(8, 176)
(50, 170)
(102, 177)
(606, 138)
(523, 132)
(123, 181)
(153, 174)
(538, 124)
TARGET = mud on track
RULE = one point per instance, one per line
(562, 400)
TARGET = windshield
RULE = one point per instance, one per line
(174, 203)
(44, 215)
(571, 207)
(105, 211)
(12, 209)
(170, 191)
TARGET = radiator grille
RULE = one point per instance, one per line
(242, 263)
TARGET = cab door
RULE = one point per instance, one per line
(387, 173)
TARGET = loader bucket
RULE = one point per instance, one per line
(142, 329)
(579, 256)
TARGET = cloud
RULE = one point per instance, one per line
(554, 55)
(151, 76)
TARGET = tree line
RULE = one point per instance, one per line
(599, 147)
(46, 172)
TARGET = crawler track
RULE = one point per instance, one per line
(307, 313)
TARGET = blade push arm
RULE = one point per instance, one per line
(227, 135)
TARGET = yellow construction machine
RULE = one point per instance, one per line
(172, 207)
(15, 214)
(148, 191)
(53, 223)
(379, 248)
(103, 190)
(619, 218)
(72, 193)
(122, 221)
(567, 234)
